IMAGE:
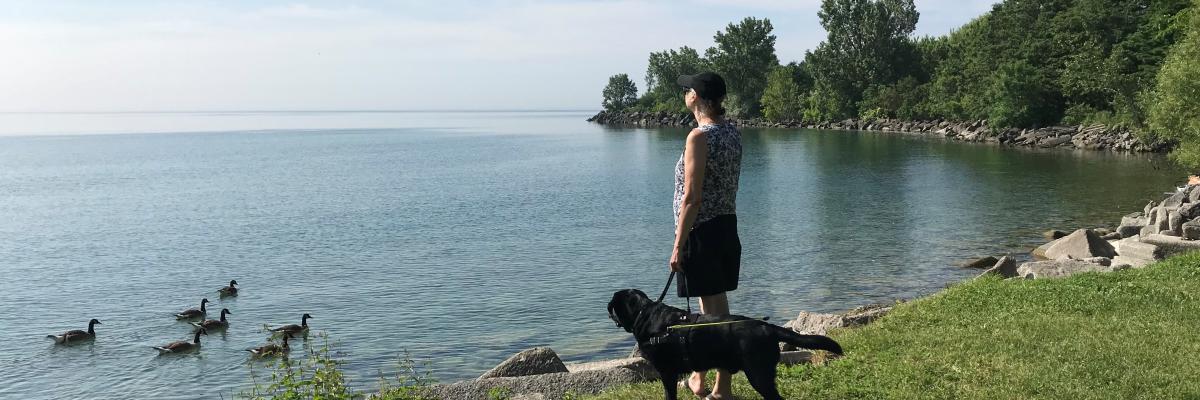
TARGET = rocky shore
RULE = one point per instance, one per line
(1159, 230)
(1091, 137)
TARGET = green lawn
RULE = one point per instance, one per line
(1122, 335)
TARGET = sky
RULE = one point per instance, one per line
(369, 55)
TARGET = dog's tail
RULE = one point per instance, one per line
(811, 342)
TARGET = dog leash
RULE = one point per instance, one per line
(682, 281)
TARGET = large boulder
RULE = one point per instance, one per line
(1171, 245)
(1191, 230)
(535, 361)
(636, 364)
(1062, 268)
(1136, 218)
(549, 386)
(810, 323)
(1175, 223)
(1176, 199)
(1006, 267)
(1082, 243)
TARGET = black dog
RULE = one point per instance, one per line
(748, 345)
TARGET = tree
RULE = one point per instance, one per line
(1018, 97)
(744, 54)
(662, 69)
(620, 93)
(867, 45)
(1175, 110)
(783, 97)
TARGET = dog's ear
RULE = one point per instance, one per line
(620, 310)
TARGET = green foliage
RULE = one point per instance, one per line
(902, 99)
(662, 93)
(1071, 338)
(782, 99)
(744, 54)
(620, 93)
(1175, 111)
(318, 375)
(867, 45)
(1018, 98)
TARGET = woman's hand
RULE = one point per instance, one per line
(676, 264)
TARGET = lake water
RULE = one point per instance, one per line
(464, 237)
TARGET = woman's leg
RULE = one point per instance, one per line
(717, 304)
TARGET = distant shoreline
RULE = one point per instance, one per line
(1084, 137)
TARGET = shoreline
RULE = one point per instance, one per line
(1084, 137)
(1162, 229)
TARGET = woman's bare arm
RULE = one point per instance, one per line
(695, 156)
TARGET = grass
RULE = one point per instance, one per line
(1122, 335)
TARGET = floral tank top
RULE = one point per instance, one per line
(721, 173)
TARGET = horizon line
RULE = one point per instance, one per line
(374, 110)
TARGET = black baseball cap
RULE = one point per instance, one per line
(708, 85)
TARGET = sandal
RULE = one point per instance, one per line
(705, 394)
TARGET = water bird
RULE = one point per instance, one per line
(77, 335)
(182, 345)
(212, 324)
(271, 348)
(293, 328)
(193, 313)
(230, 290)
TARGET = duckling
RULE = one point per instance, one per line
(193, 313)
(230, 290)
(293, 328)
(213, 324)
(182, 345)
(271, 348)
(77, 335)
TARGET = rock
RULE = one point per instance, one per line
(1136, 218)
(1125, 231)
(637, 351)
(1053, 234)
(1105, 261)
(1174, 222)
(981, 263)
(1162, 221)
(1191, 230)
(636, 364)
(535, 361)
(1006, 267)
(1170, 245)
(551, 386)
(863, 315)
(1193, 194)
(810, 323)
(1112, 236)
(1080, 244)
(1175, 200)
(1059, 268)
(1102, 231)
(1040, 251)
(1132, 248)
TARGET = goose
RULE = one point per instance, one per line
(293, 328)
(213, 324)
(182, 345)
(77, 335)
(271, 348)
(230, 290)
(193, 313)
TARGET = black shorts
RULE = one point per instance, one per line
(711, 258)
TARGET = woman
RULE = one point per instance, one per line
(707, 252)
